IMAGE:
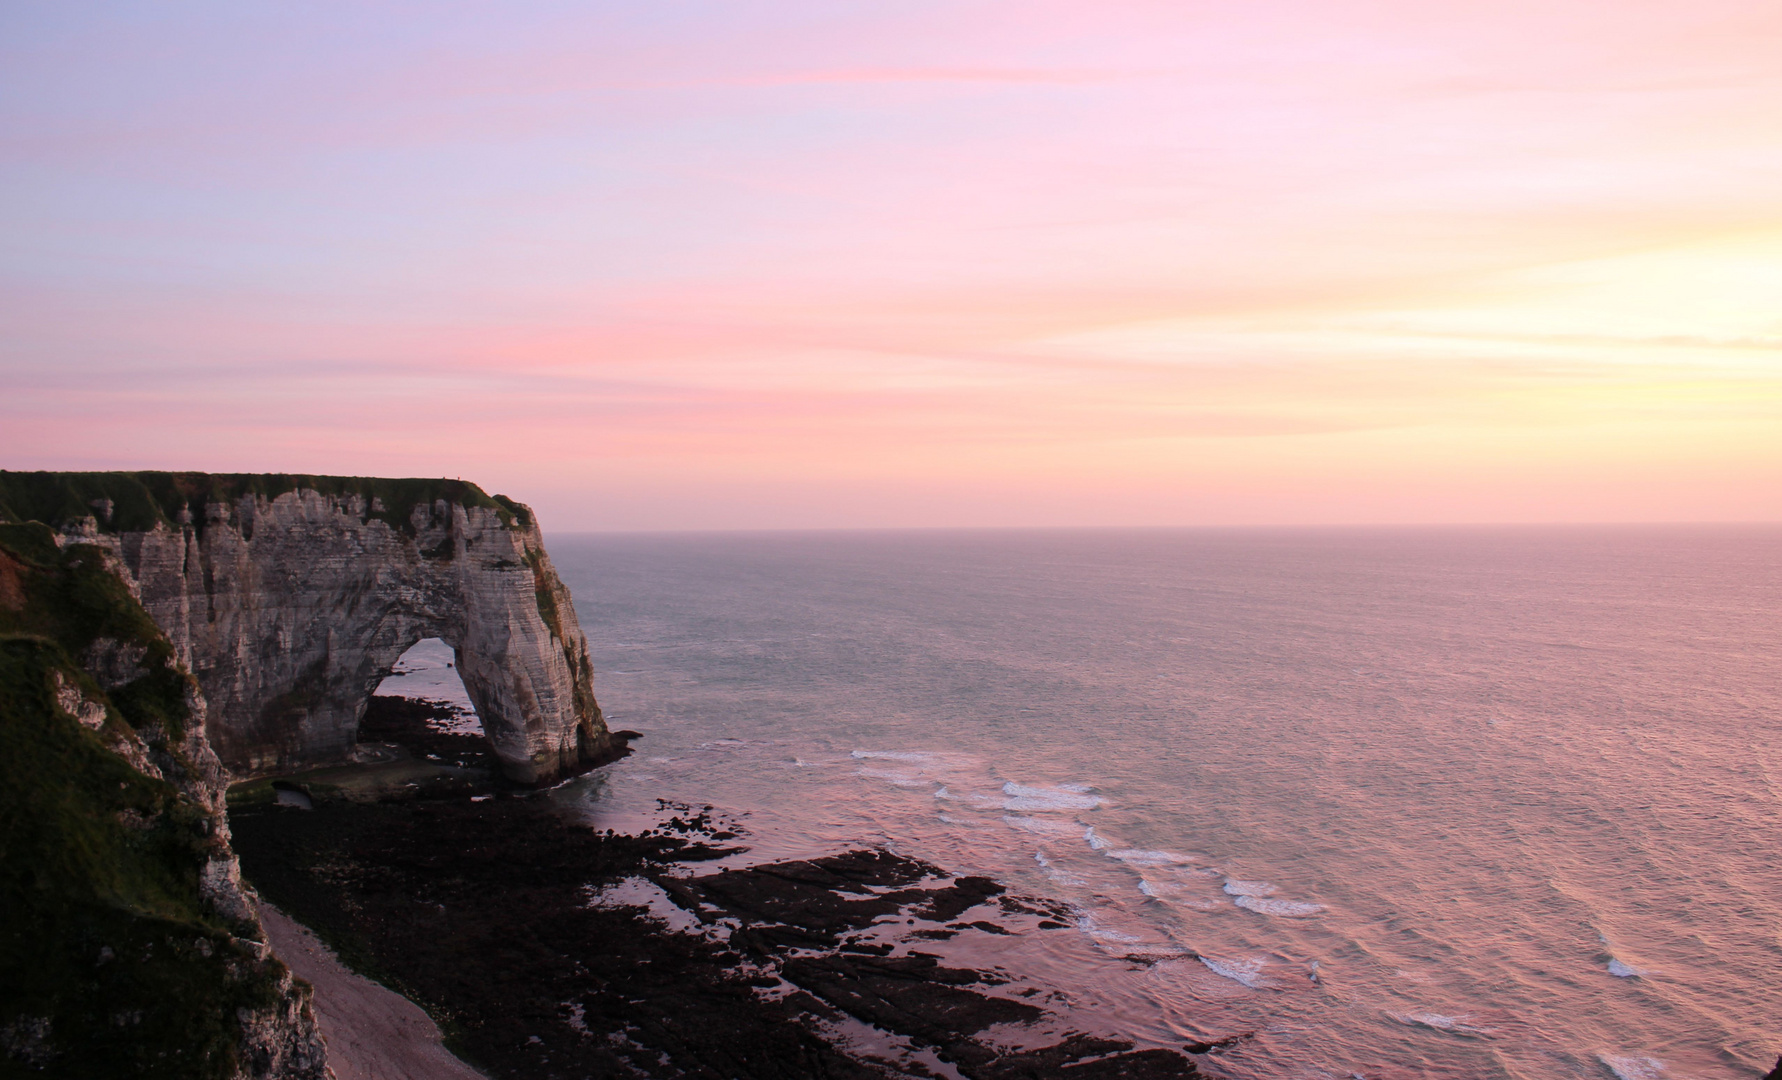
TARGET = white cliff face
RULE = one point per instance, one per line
(291, 610)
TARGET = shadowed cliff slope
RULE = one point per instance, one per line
(128, 946)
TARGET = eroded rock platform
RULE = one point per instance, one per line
(542, 946)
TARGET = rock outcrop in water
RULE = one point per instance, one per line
(129, 945)
(291, 597)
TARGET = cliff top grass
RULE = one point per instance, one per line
(141, 500)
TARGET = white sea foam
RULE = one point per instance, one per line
(1626, 971)
(1633, 1068)
(1292, 909)
(1453, 1025)
(1149, 858)
(1168, 890)
(901, 779)
(1044, 826)
(1095, 841)
(1101, 933)
(1022, 797)
(892, 755)
(1249, 888)
(1056, 875)
(1156, 954)
(1247, 971)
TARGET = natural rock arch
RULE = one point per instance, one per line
(290, 599)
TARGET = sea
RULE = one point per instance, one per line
(1469, 803)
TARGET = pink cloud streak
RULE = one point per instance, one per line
(1047, 264)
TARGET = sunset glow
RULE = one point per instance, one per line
(779, 265)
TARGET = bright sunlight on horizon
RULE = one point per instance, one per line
(693, 265)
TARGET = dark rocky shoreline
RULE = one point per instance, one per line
(478, 903)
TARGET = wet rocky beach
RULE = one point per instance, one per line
(545, 949)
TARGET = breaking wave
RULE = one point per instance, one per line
(1149, 858)
(1247, 971)
(1022, 797)
(1292, 909)
(1453, 1025)
(1249, 888)
(1633, 1068)
(892, 755)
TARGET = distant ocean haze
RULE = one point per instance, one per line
(1445, 803)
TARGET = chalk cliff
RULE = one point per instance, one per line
(291, 597)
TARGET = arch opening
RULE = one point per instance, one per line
(428, 671)
(422, 707)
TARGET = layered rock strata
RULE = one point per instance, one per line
(291, 598)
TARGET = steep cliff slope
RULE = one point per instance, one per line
(290, 598)
(128, 946)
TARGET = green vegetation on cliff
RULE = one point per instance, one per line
(72, 599)
(111, 961)
(137, 501)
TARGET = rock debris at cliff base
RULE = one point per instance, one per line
(491, 915)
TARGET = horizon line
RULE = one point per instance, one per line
(1277, 527)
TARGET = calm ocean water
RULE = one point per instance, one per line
(1443, 803)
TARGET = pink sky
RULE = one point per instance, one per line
(751, 265)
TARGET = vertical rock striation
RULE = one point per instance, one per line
(291, 597)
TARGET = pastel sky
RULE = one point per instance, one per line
(693, 264)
